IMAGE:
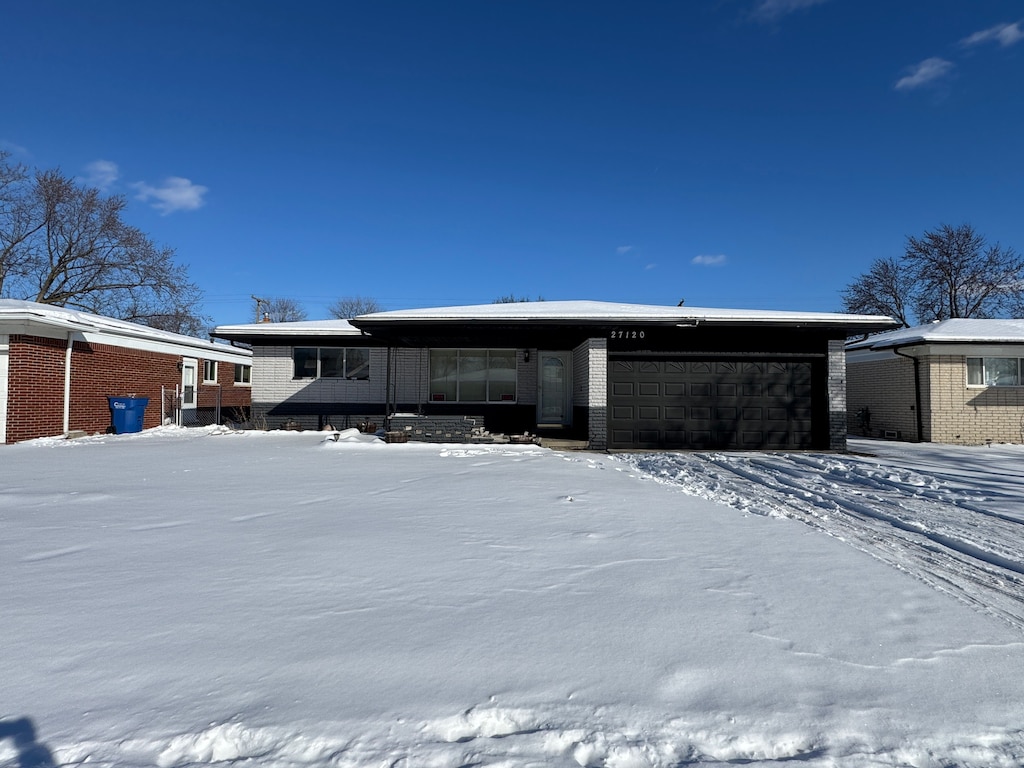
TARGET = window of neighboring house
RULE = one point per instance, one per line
(993, 372)
(473, 375)
(351, 363)
(243, 374)
(210, 371)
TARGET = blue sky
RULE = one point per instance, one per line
(732, 153)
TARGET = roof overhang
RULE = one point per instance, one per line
(28, 318)
(537, 324)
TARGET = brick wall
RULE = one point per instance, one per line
(98, 371)
(837, 428)
(35, 393)
(961, 415)
(234, 398)
(886, 388)
(274, 385)
(951, 412)
(590, 388)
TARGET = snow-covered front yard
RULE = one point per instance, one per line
(183, 598)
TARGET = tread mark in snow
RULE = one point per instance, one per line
(915, 522)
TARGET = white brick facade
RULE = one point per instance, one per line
(590, 388)
(837, 395)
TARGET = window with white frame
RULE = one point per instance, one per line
(993, 372)
(210, 371)
(473, 375)
(331, 363)
(243, 374)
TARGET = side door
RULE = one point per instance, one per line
(188, 394)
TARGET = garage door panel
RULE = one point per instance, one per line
(710, 404)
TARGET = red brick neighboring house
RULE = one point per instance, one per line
(59, 366)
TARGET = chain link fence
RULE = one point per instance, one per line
(182, 407)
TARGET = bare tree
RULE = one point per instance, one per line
(65, 244)
(19, 221)
(513, 299)
(279, 310)
(883, 290)
(348, 307)
(947, 272)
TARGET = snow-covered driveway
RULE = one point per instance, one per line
(952, 517)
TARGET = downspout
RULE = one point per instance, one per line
(917, 390)
(387, 392)
(67, 383)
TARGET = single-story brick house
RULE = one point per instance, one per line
(618, 376)
(58, 367)
(955, 381)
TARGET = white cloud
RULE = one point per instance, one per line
(650, 267)
(176, 194)
(15, 149)
(709, 260)
(1004, 34)
(102, 174)
(925, 73)
(622, 249)
(769, 10)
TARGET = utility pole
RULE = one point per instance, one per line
(260, 314)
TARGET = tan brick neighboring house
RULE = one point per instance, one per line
(58, 367)
(957, 381)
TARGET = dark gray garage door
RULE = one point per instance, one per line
(681, 403)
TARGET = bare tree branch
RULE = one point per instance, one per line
(65, 244)
(947, 272)
(348, 307)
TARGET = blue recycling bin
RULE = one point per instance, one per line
(126, 413)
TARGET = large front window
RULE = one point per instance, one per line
(993, 372)
(473, 375)
(331, 363)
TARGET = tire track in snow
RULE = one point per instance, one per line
(942, 535)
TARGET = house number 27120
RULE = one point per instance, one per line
(626, 335)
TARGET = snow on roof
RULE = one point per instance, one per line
(16, 311)
(301, 328)
(601, 311)
(954, 331)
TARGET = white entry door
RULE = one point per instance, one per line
(554, 401)
(189, 376)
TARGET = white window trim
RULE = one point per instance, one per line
(207, 363)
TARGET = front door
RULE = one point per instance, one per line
(554, 401)
(189, 375)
